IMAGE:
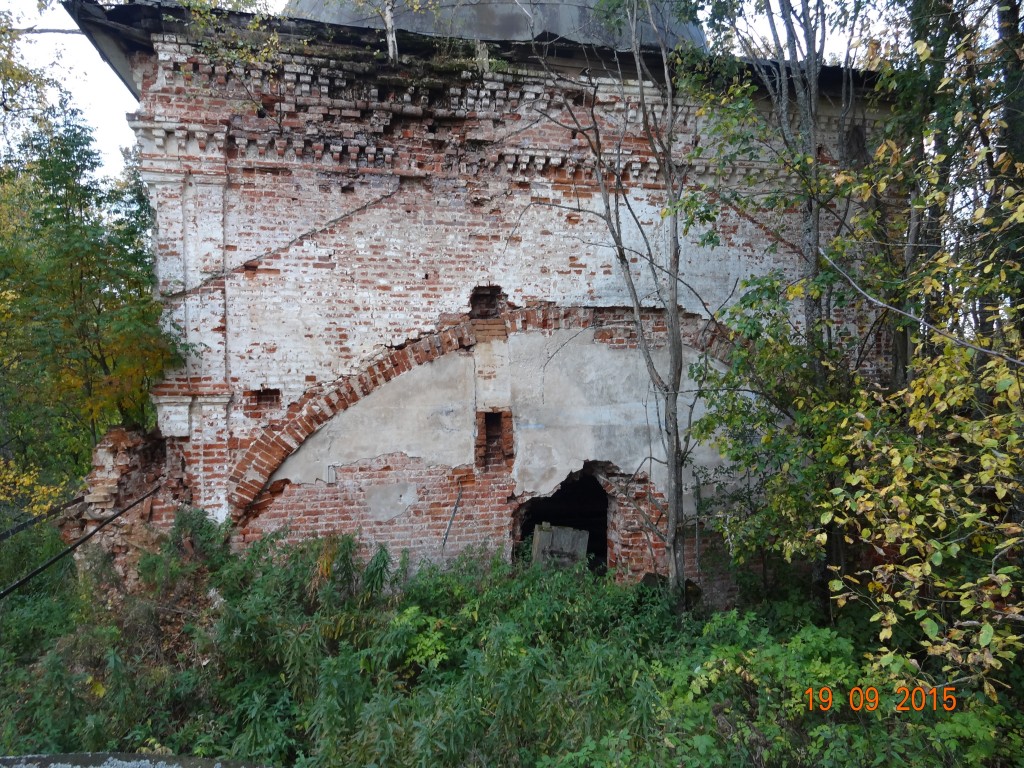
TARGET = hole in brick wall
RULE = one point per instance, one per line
(494, 441)
(580, 502)
(485, 302)
(268, 398)
(492, 437)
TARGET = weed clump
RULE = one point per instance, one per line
(325, 654)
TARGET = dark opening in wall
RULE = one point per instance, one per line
(579, 503)
(485, 302)
(492, 434)
(494, 441)
(260, 403)
(268, 398)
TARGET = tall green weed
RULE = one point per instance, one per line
(321, 654)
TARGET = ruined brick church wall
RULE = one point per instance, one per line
(321, 228)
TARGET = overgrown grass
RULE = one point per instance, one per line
(313, 655)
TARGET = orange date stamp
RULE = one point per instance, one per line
(915, 699)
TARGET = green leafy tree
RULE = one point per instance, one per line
(891, 449)
(82, 329)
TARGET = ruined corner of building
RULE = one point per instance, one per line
(403, 320)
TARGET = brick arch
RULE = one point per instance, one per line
(251, 473)
(317, 406)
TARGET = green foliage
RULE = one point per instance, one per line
(81, 329)
(317, 655)
(232, 44)
(194, 543)
(931, 482)
(40, 611)
(870, 407)
(22, 86)
(774, 422)
(747, 692)
(911, 497)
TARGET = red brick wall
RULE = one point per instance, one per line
(477, 496)
(321, 229)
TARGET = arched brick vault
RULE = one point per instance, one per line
(317, 406)
(250, 475)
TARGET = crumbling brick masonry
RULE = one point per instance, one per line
(402, 320)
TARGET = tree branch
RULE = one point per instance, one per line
(920, 321)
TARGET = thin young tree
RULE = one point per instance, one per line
(642, 60)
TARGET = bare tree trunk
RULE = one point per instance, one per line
(658, 115)
(388, 12)
(659, 129)
(1011, 39)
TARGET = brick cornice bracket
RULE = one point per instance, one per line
(172, 414)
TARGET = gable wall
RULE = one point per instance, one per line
(318, 220)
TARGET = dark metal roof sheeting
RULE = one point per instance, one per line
(573, 21)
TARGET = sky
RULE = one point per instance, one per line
(95, 89)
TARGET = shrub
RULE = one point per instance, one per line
(320, 654)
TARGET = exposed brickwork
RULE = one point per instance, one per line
(127, 467)
(495, 441)
(319, 404)
(455, 508)
(330, 224)
(316, 407)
